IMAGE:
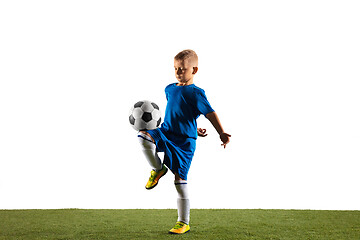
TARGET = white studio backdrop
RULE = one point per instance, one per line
(283, 77)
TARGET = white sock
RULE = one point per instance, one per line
(149, 150)
(183, 202)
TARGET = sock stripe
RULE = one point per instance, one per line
(180, 183)
(145, 138)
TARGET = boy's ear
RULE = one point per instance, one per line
(195, 70)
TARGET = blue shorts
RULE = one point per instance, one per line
(178, 151)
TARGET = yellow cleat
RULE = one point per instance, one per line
(180, 228)
(154, 177)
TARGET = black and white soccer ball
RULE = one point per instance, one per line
(145, 115)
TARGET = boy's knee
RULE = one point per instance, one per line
(181, 188)
(178, 178)
(146, 141)
(146, 135)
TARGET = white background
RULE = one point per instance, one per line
(283, 77)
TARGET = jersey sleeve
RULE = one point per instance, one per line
(167, 89)
(202, 104)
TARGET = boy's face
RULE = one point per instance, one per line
(185, 71)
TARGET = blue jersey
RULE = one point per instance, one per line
(177, 135)
(185, 104)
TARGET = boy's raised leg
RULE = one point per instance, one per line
(149, 150)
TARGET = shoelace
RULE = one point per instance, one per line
(179, 225)
(152, 176)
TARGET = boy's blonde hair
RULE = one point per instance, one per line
(187, 54)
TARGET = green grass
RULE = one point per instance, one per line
(153, 224)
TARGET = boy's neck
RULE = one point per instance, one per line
(185, 83)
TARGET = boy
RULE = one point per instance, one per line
(177, 135)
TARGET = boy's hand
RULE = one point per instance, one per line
(201, 132)
(225, 138)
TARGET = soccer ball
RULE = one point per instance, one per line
(145, 115)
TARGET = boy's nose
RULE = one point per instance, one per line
(178, 71)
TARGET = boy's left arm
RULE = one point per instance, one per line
(214, 119)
